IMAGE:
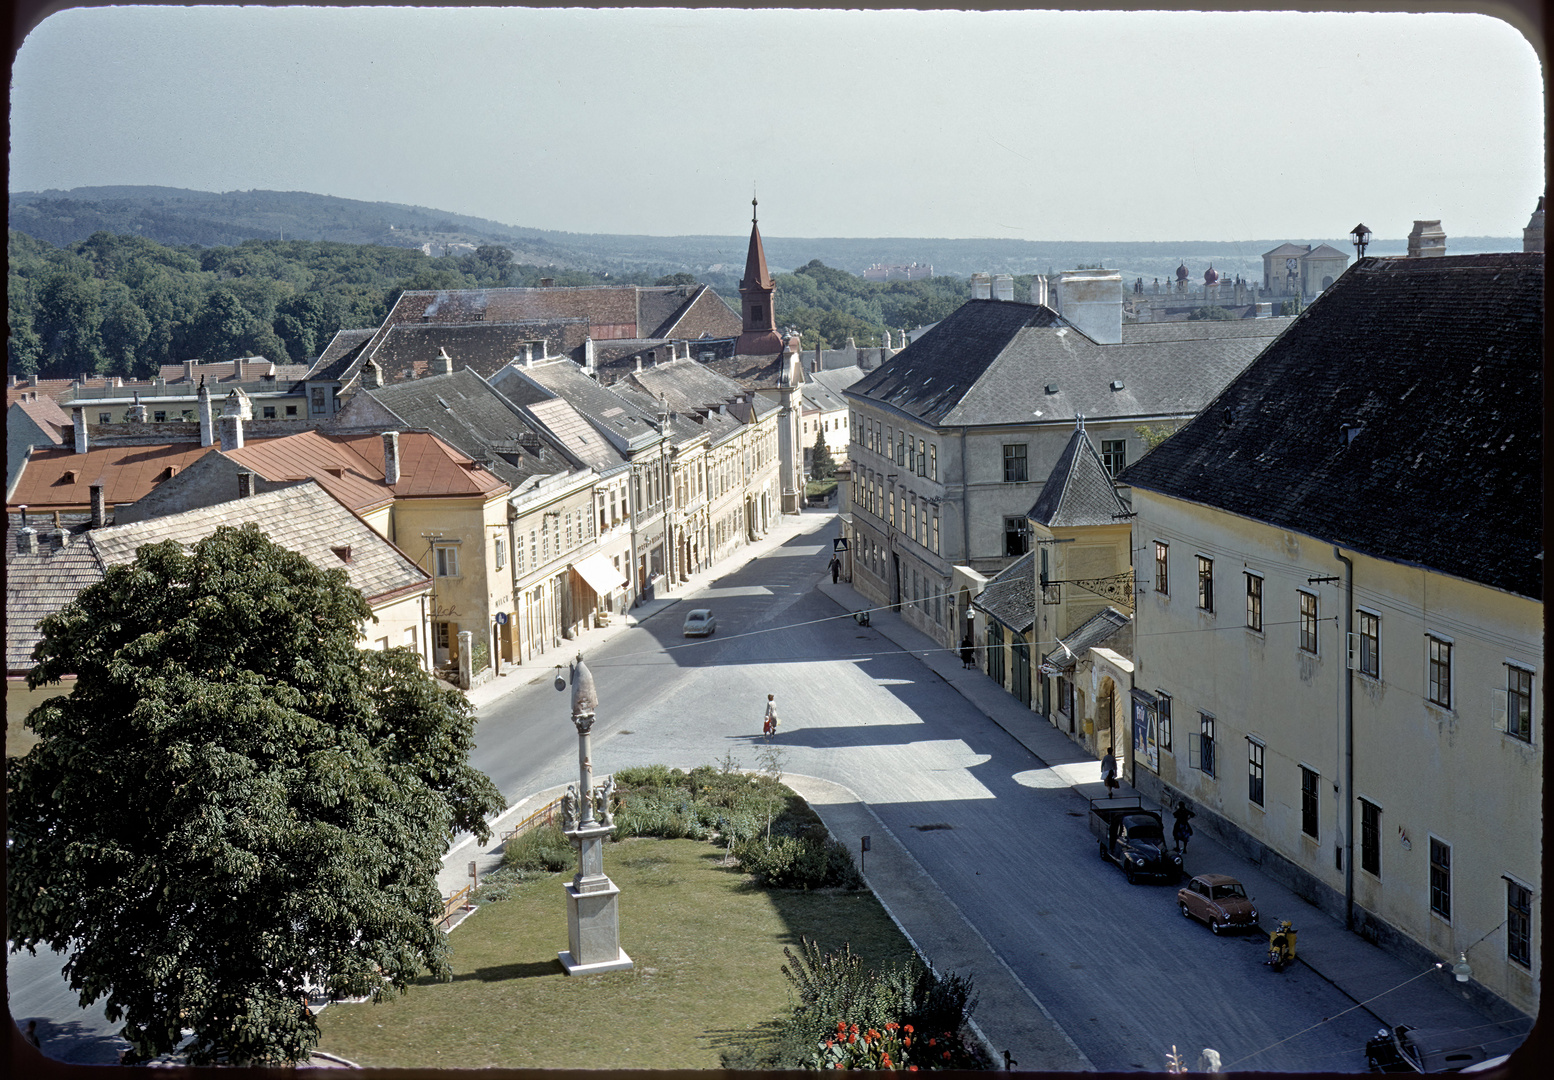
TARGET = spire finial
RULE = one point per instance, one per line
(752, 209)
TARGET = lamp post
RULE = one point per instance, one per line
(593, 915)
(1360, 236)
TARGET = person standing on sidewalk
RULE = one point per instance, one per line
(836, 568)
(1181, 832)
(968, 653)
(1109, 772)
(769, 728)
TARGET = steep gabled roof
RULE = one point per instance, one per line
(341, 352)
(1090, 633)
(605, 409)
(40, 584)
(1326, 251)
(1010, 597)
(1079, 491)
(687, 385)
(1285, 250)
(1438, 364)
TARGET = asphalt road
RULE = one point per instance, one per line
(1116, 965)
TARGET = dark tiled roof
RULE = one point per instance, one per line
(751, 372)
(991, 362)
(341, 352)
(484, 347)
(41, 584)
(607, 410)
(572, 430)
(1011, 596)
(1439, 362)
(1079, 491)
(464, 411)
(687, 385)
(1090, 633)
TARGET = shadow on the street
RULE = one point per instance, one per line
(77, 1043)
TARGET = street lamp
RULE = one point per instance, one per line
(1360, 236)
(593, 912)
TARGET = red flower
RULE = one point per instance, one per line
(908, 1029)
(933, 1042)
(911, 1068)
(946, 1055)
(886, 1061)
(907, 1041)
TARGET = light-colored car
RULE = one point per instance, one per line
(699, 623)
(1219, 901)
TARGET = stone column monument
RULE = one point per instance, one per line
(593, 914)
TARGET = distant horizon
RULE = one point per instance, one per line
(978, 125)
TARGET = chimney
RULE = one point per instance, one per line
(546, 282)
(99, 506)
(188, 370)
(136, 413)
(588, 354)
(442, 364)
(1003, 287)
(245, 484)
(639, 361)
(80, 421)
(391, 457)
(1039, 294)
(27, 541)
(1092, 303)
(1426, 241)
(232, 416)
(372, 375)
(207, 424)
(981, 286)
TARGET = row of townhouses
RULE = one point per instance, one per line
(1290, 569)
(521, 493)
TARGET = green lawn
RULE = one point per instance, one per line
(707, 944)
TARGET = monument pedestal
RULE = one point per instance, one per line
(593, 913)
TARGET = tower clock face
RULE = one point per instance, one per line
(1290, 264)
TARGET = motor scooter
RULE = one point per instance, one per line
(1281, 946)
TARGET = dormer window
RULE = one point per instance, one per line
(343, 551)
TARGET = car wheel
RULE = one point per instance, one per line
(1185, 913)
(1132, 878)
(1216, 927)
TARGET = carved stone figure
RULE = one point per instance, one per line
(569, 809)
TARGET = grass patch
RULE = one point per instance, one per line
(708, 947)
(819, 489)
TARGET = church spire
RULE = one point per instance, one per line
(756, 293)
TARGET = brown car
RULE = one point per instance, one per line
(1217, 900)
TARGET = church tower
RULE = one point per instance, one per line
(756, 293)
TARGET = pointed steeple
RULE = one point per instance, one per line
(756, 292)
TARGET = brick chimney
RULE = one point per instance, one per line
(372, 375)
(588, 355)
(80, 422)
(99, 506)
(188, 369)
(245, 484)
(136, 413)
(27, 540)
(391, 457)
(236, 411)
(442, 363)
(1091, 301)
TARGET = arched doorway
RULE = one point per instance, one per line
(1106, 720)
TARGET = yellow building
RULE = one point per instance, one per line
(1340, 627)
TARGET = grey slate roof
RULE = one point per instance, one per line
(464, 411)
(572, 430)
(486, 347)
(817, 396)
(1079, 490)
(341, 352)
(687, 385)
(607, 410)
(991, 361)
(836, 380)
(1439, 362)
(41, 584)
(1011, 596)
(1092, 632)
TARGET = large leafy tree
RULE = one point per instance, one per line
(235, 803)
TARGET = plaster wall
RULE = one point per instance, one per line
(1453, 773)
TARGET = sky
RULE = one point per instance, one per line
(1089, 126)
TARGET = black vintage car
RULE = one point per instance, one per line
(1406, 1049)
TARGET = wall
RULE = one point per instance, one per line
(1453, 773)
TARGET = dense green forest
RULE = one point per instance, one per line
(124, 305)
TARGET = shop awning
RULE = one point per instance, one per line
(600, 573)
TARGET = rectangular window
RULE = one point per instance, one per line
(104, 418)
(1206, 743)
(922, 459)
(1518, 923)
(1440, 878)
(1370, 838)
(269, 412)
(447, 562)
(1114, 455)
(911, 519)
(890, 505)
(1308, 802)
(911, 456)
(1370, 644)
(1205, 583)
(1017, 535)
(1254, 602)
(1014, 463)
(1308, 621)
(933, 461)
(291, 410)
(1163, 714)
(160, 416)
(501, 553)
(901, 449)
(534, 548)
(1518, 695)
(1162, 573)
(317, 397)
(1440, 671)
(1254, 771)
(936, 532)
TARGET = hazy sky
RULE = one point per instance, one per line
(1023, 125)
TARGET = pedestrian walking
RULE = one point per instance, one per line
(1109, 772)
(769, 728)
(836, 568)
(968, 653)
(1181, 832)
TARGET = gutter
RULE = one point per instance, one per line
(1348, 739)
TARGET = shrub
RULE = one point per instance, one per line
(542, 848)
(798, 862)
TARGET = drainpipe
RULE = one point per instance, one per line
(1348, 739)
(965, 505)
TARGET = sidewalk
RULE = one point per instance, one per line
(1390, 989)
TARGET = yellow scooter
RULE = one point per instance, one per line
(1281, 946)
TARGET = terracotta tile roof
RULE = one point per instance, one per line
(45, 412)
(61, 479)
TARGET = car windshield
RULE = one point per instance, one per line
(1231, 891)
(1144, 830)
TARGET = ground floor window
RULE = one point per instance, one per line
(1370, 838)
(1308, 801)
(1518, 923)
(1440, 878)
(1163, 714)
(1254, 771)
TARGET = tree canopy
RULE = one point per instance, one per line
(235, 803)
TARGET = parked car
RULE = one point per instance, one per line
(700, 623)
(1218, 900)
(1134, 839)
(1406, 1049)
